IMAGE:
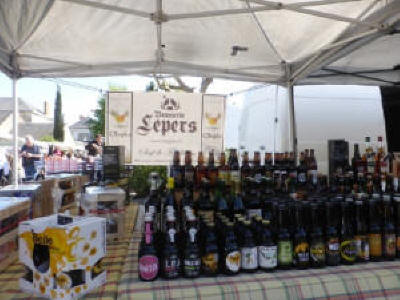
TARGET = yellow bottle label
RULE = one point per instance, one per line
(375, 244)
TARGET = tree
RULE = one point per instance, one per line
(97, 124)
(58, 131)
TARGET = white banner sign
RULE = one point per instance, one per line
(119, 121)
(213, 123)
(164, 122)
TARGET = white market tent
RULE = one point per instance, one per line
(287, 42)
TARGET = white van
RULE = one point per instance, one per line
(322, 113)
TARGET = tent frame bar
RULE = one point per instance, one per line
(119, 9)
(15, 131)
(338, 72)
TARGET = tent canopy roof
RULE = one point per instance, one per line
(299, 41)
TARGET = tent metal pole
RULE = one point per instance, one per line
(15, 131)
(292, 121)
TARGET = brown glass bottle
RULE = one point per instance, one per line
(212, 170)
(188, 170)
(245, 170)
(223, 169)
(200, 170)
(257, 170)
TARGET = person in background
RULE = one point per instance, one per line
(30, 153)
(4, 168)
(95, 147)
(57, 151)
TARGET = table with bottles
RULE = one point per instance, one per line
(252, 231)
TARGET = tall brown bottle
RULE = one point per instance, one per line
(212, 170)
(200, 170)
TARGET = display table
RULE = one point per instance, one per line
(114, 260)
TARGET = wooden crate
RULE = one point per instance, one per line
(12, 211)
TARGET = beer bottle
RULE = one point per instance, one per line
(171, 261)
(148, 260)
(374, 232)
(234, 172)
(238, 208)
(360, 237)
(252, 200)
(317, 245)
(245, 170)
(312, 170)
(307, 157)
(257, 170)
(370, 155)
(396, 200)
(277, 172)
(292, 169)
(302, 172)
(220, 199)
(301, 255)
(285, 245)
(210, 257)
(389, 236)
(332, 245)
(212, 170)
(188, 170)
(205, 207)
(191, 256)
(284, 172)
(231, 258)
(268, 168)
(267, 248)
(176, 171)
(223, 169)
(347, 244)
(249, 250)
(200, 170)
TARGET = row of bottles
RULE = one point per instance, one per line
(225, 233)
(281, 174)
(370, 172)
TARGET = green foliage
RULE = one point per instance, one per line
(97, 124)
(47, 138)
(58, 131)
(139, 180)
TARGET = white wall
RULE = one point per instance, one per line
(322, 113)
(337, 112)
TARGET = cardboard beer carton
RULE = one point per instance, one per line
(62, 255)
(106, 202)
(12, 211)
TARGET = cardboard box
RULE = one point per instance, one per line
(106, 202)
(62, 255)
(12, 211)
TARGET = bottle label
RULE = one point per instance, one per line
(301, 253)
(210, 262)
(249, 258)
(375, 244)
(192, 265)
(148, 267)
(390, 245)
(234, 176)
(223, 176)
(301, 177)
(362, 247)
(333, 251)
(171, 266)
(267, 256)
(285, 252)
(317, 252)
(233, 261)
(189, 176)
(398, 243)
(348, 250)
(253, 213)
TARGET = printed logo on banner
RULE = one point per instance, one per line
(212, 120)
(118, 117)
(168, 119)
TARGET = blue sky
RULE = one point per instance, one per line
(78, 101)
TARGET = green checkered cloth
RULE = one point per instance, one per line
(113, 262)
(361, 281)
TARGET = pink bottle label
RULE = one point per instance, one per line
(148, 267)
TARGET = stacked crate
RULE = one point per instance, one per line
(106, 202)
(12, 211)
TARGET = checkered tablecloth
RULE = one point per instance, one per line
(114, 260)
(361, 281)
